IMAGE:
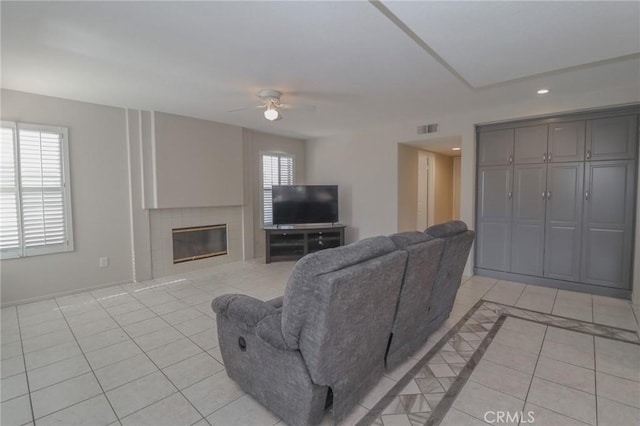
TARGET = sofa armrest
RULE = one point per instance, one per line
(269, 330)
(241, 308)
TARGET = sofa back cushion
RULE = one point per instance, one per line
(458, 242)
(419, 279)
(446, 229)
(338, 311)
(403, 240)
(304, 282)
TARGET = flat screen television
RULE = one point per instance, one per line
(297, 204)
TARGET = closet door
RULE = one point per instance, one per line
(530, 145)
(614, 138)
(566, 142)
(608, 227)
(527, 223)
(495, 148)
(563, 222)
(494, 218)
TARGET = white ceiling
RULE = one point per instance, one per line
(359, 66)
(494, 42)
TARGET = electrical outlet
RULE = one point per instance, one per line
(104, 262)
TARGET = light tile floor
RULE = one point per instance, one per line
(503, 358)
(147, 353)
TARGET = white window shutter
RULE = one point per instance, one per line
(41, 176)
(9, 228)
(7, 158)
(40, 159)
(9, 219)
(277, 169)
(34, 196)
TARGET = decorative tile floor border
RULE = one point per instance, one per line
(441, 374)
(571, 324)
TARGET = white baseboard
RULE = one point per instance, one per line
(61, 294)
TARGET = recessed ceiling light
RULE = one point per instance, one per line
(543, 91)
(455, 149)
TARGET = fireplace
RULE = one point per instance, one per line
(199, 242)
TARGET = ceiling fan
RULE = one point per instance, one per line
(271, 103)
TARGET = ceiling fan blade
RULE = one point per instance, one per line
(298, 107)
(246, 108)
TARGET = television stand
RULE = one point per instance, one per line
(293, 242)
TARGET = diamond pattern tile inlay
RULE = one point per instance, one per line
(444, 372)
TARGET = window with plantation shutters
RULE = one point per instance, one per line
(9, 224)
(35, 210)
(277, 169)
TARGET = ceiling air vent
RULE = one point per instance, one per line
(428, 128)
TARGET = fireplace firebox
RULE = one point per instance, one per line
(199, 242)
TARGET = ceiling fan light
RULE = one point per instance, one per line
(271, 114)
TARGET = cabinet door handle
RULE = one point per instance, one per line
(510, 159)
(588, 154)
(544, 157)
(543, 195)
(549, 157)
(510, 194)
(587, 195)
(549, 195)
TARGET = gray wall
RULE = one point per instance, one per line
(198, 163)
(365, 168)
(99, 193)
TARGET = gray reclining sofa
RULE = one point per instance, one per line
(429, 287)
(328, 340)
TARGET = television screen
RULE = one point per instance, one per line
(294, 204)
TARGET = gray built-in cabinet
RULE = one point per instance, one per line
(556, 199)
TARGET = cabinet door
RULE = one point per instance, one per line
(527, 223)
(566, 142)
(530, 145)
(613, 138)
(608, 211)
(494, 218)
(495, 148)
(563, 223)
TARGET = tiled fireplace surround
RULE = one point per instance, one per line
(163, 221)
